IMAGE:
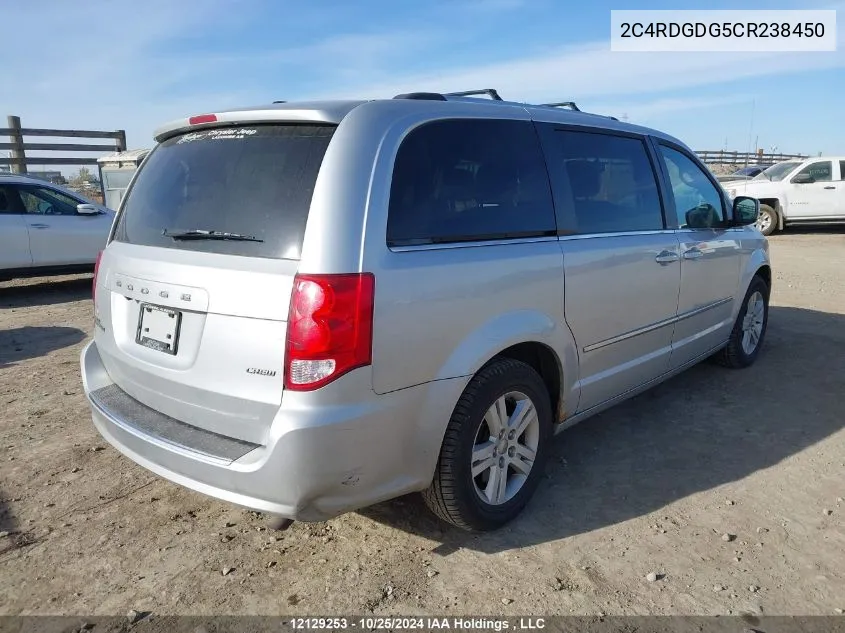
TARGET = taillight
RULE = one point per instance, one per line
(330, 328)
(96, 270)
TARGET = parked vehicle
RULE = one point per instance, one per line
(794, 192)
(746, 173)
(307, 308)
(751, 170)
(47, 229)
(731, 178)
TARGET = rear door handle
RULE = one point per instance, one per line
(40, 226)
(666, 257)
(830, 187)
(693, 253)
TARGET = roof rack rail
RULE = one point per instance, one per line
(571, 105)
(280, 102)
(490, 92)
(563, 104)
(422, 96)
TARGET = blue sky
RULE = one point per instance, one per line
(109, 64)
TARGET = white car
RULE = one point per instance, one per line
(811, 191)
(46, 229)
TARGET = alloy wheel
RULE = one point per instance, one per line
(505, 448)
(752, 323)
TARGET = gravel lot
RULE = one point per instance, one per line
(727, 485)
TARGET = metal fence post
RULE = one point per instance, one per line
(121, 140)
(18, 166)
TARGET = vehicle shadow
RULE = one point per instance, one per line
(704, 428)
(26, 342)
(810, 229)
(43, 293)
(8, 527)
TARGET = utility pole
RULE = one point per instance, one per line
(750, 129)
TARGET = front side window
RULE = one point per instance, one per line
(609, 180)
(463, 180)
(842, 170)
(698, 203)
(819, 172)
(43, 201)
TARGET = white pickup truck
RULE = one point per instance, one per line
(811, 191)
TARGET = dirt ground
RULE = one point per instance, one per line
(727, 484)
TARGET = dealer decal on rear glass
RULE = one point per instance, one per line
(217, 134)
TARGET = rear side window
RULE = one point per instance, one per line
(606, 181)
(254, 182)
(469, 180)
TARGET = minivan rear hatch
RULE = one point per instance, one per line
(193, 291)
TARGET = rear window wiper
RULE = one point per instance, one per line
(200, 234)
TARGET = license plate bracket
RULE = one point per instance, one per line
(158, 328)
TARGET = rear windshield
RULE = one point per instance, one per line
(254, 182)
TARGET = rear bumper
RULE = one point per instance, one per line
(323, 455)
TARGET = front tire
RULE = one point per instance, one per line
(749, 329)
(494, 450)
(767, 220)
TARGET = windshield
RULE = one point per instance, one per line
(251, 182)
(778, 171)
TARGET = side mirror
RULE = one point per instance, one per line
(803, 178)
(745, 211)
(87, 209)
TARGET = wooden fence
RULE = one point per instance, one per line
(723, 157)
(18, 159)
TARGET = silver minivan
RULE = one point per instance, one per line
(308, 308)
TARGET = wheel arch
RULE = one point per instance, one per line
(757, 264)
(532, 337)
(545, 361)
(765, 273)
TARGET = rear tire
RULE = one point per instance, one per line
(750, 328)
(767, 220)
(494, 449)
